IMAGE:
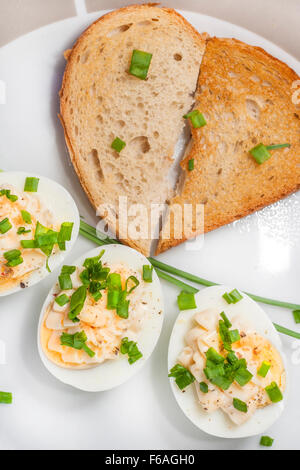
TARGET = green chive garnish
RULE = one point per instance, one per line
(22, 230)
(5, 226)
(62, 300)
(240, 405)
(65, 282)
(186, 301)
(213, 356)
(274, 392)
(77, 303)
(10, 197)
(65, 234)
(191, 164)
(232, 297)
(130, 348)
(261, 152)
(296, 314)
(31, 185)
(118, 144)
(26, 217)
(226, 320)
(131, 283)
(147, 272)
(183, 376)
(114, 281)
(266, 441)
(242, 376)
(123, 305)
(6, 398)
(197, 119)
(203, 387)
(76, 341)
(264, 369)
(140, 63)
(28, 244)
(13, 258)
(113, 296)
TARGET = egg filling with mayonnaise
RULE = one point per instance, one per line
(230, 365)
(29, 234)
(96, 313)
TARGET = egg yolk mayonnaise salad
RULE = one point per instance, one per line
(96, 314)
(231, 366)
(29, 234)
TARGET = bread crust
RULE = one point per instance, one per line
(65, 117)
(235, 75)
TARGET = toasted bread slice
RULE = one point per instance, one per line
(246, 96)
(100, 101)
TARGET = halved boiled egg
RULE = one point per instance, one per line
(102, 320)
(39, 223)
(228, 365)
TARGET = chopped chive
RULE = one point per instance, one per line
(182, 375)
(260, 153)
(62, 300)
(264, 369)
(242, 376)
(277, 146)
(197, 119)
(213, 356)
(12, 254)
(140, 63)
(22, 230)
(68, 269)
(114, 281)
(186, 301)
(147, 273)
(65, 234)
(6, 398)
(113, 296)
(130, 348)
(266, 441)
(123, 306)
(203, 387)
(5, 226)
(65, 282)
(29, 244)
(296, 314)
(234, 336)
(232, 297)
(76, 341)
(274, 392)
(118, 144)
(240, 405)
(26, 217)
(134, 282)
(191, 164)
(226, 320)
(10, 197)
(77, 303)
(15, 262)
(31, 185)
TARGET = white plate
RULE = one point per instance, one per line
(218, 424)
(259, 254)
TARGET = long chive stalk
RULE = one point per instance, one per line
(192, 277)
(90, 233)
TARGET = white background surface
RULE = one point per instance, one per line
(259, 254)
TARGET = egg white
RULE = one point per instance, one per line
(112, 373)
(217, 423)
(57, 199)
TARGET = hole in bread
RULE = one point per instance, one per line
(144, 23)
(100, 100)
(156, 134)
(177, 57)
(121, 123)
(253, 109)
(120, 29)
(99, 119)
(95, 164)
(76, 130)
(140, 145)
(255, 79)
(85, 57)
(155, 19)
(219, 171)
